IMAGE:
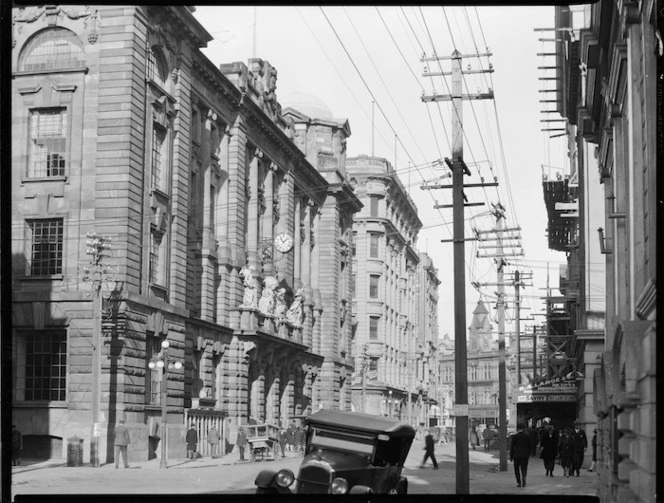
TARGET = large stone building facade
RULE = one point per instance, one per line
(390, 347)
(223, 235)
(607, 87)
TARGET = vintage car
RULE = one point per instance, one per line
(346, 453)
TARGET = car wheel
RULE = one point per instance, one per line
(266, 490)
(402, 486)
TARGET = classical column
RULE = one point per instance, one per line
(267, 235)
(297, 247)
(252, 214)
(224, 257)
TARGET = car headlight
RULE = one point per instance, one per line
(339, 486)
(284, 478)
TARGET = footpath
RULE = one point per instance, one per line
(227, 474)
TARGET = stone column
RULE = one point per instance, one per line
(268, 220)
(224, 258)
(297, 247)
(252, 214)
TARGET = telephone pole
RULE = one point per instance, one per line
(498, 235)
(95, 272)
(459, 168)
(517, 327)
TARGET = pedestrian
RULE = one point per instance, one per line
(580, 446)
(192, 440)
(473, 437)
(298, 438)
(533, 442)
(593, 442)
(487, 434)
(549, 452)
(213, 439)
(121, 441)
(17, 446)
(283, 440)
(566, 451)
(290, 436)
(429, 446)
(520, 453)
(241, 442)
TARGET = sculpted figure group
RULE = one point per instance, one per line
(273, 299)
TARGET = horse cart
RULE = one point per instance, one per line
(263, 440)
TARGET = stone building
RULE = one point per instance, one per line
(214, 231)
(385, 291)
(606, 65)
(483, 363)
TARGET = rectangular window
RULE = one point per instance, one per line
(373, 365)
(373, 328)
(373, 206)
(46, 365)
(373, 245)
(353, 286)
(45, 241)
(48, 143)
(373, 286)
(156, 263)
(159, 157)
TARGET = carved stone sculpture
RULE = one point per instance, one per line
(266, 304)
(250, 298)
(295, 313)
(280, 303)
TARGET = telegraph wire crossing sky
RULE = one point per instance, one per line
(365, 64)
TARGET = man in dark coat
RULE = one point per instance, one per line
(520, 448)
(566, 451)
(594, 445)
(298, 439)
(241, 442)
(487, 434)
(121, 441)
(17, 445)
(192, 440)
(549, 452)
(429, 446)
(580, 446)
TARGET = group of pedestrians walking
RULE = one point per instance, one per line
(567, 445)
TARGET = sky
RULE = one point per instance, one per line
(365, 64)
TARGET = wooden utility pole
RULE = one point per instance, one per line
(458, 168)
(517, 327)
(95, 272)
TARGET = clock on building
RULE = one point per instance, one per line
(283, 242)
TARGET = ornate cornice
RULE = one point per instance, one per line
(646, 302)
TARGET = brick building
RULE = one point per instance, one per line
(217, 232)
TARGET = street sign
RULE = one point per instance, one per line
(460, 409)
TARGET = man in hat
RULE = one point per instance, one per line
(121, 441)
(520, 448)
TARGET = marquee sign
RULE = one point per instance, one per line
(558, 389)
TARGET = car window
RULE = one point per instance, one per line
(357, 443)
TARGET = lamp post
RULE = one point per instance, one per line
(163, 361)
(389, 403)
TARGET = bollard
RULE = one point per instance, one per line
(74, 451)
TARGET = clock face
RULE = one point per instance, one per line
(283, 242)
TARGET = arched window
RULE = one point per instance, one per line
(157, 69)
(52, 49)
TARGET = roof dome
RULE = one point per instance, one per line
(308, 104)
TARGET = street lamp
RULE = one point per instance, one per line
(389, 403)
(163, 361)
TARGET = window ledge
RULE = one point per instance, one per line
(152, 406)
(51, 277)
(41, 179)
(46, 72)
(34, 404)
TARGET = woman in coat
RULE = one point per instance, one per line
(549, 452)
(566, 451)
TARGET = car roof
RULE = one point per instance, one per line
(361, 422)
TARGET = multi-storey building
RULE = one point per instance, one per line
(220, 236)
(389, 362)
(482, 372)
(606, 90)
